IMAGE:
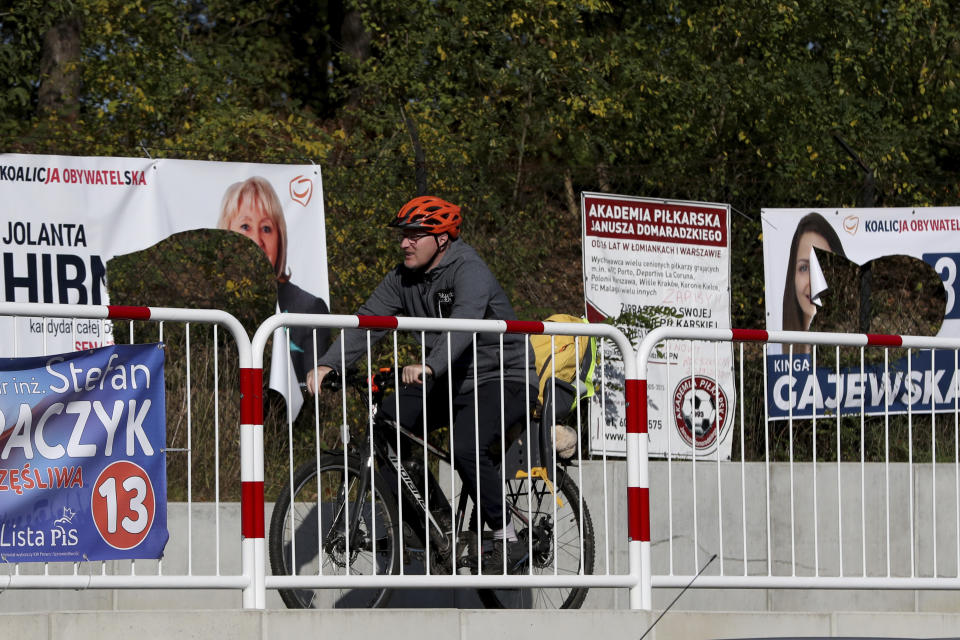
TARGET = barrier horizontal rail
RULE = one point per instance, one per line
(841, 489)
(638, 547)
(153, 574)
(252, 579)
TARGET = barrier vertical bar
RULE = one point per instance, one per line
(766, 463)
(816, 521)
(638, 488)
(693, 456)
(956, 457)
(886, 447)
(793, 512)
(910, 471)
(743, 471)
(933, 459)
(863, 463)
(251, 481)
(667, 386)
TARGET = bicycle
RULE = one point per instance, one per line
(335, 494)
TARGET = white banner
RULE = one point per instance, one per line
(794, 282)
(64, 217)
(667, 262)
(861, 235)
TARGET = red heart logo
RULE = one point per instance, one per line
(301, 190)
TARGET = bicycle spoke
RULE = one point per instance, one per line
(557, 546)
(337, 496)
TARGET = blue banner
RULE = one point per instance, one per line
(82, 461)
(913, 386)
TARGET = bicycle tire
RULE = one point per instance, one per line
(298, 538)
(568, 541)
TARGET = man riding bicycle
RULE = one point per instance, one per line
(443, 277)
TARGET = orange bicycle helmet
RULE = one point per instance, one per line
(431, 214)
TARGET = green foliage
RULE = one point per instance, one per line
(516, 106)
(204, 269)
(510, 109)
(636, 324)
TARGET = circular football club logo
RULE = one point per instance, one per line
(700, 411)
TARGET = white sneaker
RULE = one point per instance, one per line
(565, 439)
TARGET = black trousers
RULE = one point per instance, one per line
(476, 423)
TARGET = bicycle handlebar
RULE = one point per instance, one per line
(333, 381)
(382, 378)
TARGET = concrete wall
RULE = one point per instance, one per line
(798, 544)
(675, 543)
(472, 625)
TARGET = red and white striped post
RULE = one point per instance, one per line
(637, 407)
(638, 479)
(251, 481)
(251, 451)
(638, 487)
(253, 549)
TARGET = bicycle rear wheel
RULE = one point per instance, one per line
(308, 534)
(563, 543)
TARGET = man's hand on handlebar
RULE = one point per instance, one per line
(411, 374)
(315, 378)
(415, 374)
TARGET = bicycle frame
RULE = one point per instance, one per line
(386, 456)
(383, 455)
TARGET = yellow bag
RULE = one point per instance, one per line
(571, 360)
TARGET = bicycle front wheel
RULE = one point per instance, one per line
(308, 533)
(562, 542)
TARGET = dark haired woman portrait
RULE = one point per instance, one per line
(813, 231)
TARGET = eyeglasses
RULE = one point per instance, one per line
(414, 238)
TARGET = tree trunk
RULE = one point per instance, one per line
(570, 195)
(356, 47)
(419, 157)
(59, 90)
(356, 39)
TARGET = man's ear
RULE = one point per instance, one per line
(446, 240)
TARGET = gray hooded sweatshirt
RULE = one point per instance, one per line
(461, 286)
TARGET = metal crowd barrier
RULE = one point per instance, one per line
(875, 504)
(190, 562)
(194, 563)
(316, 577)
(819, 493)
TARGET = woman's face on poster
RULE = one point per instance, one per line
(255, 223)
(801, 277)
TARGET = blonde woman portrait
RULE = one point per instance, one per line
(252, 208)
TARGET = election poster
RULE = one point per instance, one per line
(650, 262)
(64, 217)
(794, 284)
(82, 461)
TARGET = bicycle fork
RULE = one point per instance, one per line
(343, 512)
